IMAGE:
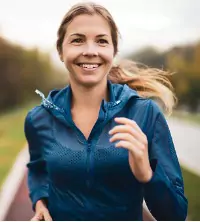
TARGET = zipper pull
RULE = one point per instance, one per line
(40, 93)
(47, 103)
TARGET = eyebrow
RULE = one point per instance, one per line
(82, 35)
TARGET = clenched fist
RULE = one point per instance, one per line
(131, 137)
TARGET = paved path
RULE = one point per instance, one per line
(186, 139)
(20, 209)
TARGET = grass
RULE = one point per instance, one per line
(192, 186)
(12, 140)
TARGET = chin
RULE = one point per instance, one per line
(90, 82)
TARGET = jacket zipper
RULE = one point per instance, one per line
(88, 164)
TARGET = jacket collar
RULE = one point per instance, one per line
(58, 102)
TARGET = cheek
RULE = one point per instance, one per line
(70, 54)
(107, 55)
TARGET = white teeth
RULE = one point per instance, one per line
(89, 66)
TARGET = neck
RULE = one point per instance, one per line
(88, 97)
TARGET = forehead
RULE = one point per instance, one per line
(89, 24)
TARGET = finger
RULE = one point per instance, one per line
(127, 145)
(37, 217)
(129, 122)
(34, 219)
(126, 129)
(133, 125)
(47, 216)
(125, 137)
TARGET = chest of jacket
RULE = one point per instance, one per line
(72, 160)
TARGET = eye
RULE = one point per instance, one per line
(77, 40)
(102, 41)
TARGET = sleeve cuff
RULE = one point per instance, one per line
(38, 195)
(159, 176)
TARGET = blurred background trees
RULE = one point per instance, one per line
(24, 70)
(185, 62)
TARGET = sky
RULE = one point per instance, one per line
(158, 23)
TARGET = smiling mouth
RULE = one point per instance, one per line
(89, 66)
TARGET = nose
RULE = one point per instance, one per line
(90, 50)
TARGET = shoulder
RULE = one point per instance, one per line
(150, 107)
(147, 112)
(34, 113)
(138, 102)
(155, 108)
(157, 123)
(35, 117)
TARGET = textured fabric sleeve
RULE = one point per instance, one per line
(164, 193)
(37, 175)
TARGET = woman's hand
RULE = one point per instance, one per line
(131, 137)
(41, 212)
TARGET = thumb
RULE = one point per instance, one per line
(47, 216)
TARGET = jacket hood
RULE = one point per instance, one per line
(58, 102)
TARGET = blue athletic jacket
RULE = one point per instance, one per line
(91, 179)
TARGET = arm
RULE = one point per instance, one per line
(164, 193)
(37, 175)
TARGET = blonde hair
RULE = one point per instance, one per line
(148, 82)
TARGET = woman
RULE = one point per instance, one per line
(101, 145)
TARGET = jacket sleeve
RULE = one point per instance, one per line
(164, 193)
(37, 174)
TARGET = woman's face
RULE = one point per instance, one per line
(87, 50)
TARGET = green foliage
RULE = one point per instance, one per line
(149, 56)
(184, 61)
(21, 72)
(192, 184)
